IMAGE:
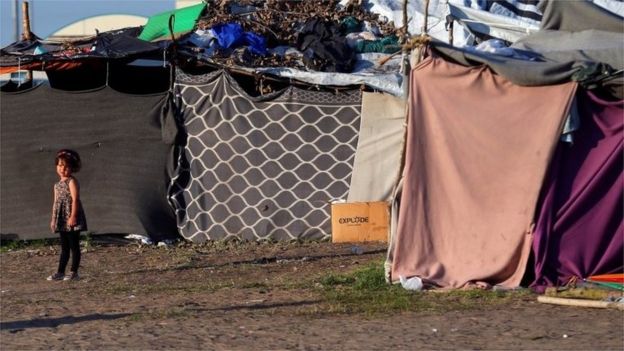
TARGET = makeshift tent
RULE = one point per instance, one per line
(457, 215)
(120, 139)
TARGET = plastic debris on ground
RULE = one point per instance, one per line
(141, 238)
(413, 283)
(166, 243)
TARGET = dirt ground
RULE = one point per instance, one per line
(254, 297)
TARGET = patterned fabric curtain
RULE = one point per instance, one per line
(261, 168)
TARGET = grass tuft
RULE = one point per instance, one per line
(14, 245)
(7, 245)
(366, 291)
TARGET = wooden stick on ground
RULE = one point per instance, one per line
(583, 293)
(579, 302)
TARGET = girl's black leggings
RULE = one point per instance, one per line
(69, 241)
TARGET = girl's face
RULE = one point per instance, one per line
(63, 169)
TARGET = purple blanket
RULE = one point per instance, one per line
(579, 230)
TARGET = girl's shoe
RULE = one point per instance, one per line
(56, 276)
(72, 276)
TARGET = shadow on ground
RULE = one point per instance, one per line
(55, 322)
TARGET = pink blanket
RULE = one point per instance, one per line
(477, 150)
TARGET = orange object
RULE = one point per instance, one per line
(613, 278)
(360, 221)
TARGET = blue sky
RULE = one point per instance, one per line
(48, 16)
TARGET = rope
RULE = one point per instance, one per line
(412, 43)
(417, 41)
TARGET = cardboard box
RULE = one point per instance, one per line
(360, 221)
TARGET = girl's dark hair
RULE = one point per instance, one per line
(71, 158)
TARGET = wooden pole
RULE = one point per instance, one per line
(26, 35)
(450, 36)
(426, 19)
(405, 19)
(583, 293)
(422, 49)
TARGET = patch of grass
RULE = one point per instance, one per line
(366, 291)
(336, 280)
(87, 240)
(136, 317)
(14, 245)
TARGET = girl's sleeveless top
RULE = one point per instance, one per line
(61, 210)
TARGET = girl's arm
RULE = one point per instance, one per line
(53, 206)
(74, 191)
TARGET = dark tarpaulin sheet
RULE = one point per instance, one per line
(258, 168)
(123, 179)
(575, 16)
(122, 43)
(123, 78)
(49, 55)
(580, 231)
(559, 55)
(577, 48)
(574, 34)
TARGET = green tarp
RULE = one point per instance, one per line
(157, 26)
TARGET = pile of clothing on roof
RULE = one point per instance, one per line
(317, 35)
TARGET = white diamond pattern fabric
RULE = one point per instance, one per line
(261, 168)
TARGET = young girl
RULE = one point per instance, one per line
(68, 217)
